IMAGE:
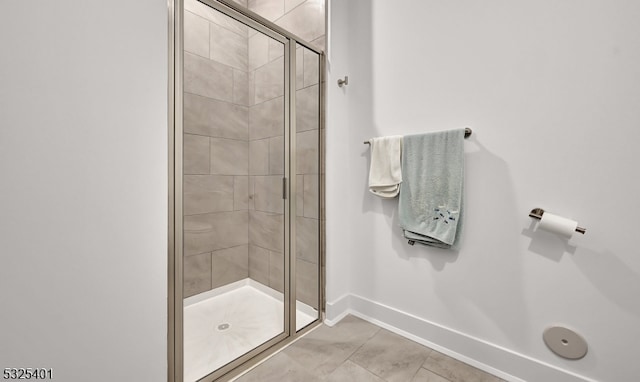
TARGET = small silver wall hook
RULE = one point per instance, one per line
(342, 82)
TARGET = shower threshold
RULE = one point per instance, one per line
(222, 324)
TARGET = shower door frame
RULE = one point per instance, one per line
(175, 226)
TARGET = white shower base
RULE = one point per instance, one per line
(250, 314)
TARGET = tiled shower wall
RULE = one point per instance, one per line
(234, 159)
(308, 176)
(266, 163)
(305, 19)
(216, 149)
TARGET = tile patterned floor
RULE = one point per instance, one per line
(355, 350)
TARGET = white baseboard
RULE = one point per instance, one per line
(336, 311)
(494, 359)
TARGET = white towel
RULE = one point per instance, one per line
(385, 174)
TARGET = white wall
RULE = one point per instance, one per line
(551, 90)
(338, 241)
(83, 206)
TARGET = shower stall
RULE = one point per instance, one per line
(246, 190)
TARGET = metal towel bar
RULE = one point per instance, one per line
(467, 133)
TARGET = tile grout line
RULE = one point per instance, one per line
(360, 347)
(213, 22)
(216, 99)
(275, 354)
(209, 136)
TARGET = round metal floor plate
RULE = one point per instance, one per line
(565, 342)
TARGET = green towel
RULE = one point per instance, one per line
(430, 205)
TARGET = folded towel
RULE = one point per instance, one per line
(430, 205)
(385, 174)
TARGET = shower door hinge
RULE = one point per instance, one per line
(284, 188)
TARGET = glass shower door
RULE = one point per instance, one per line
(234, 215)
(308, 177)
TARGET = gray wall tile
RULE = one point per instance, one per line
(241, 88)
(276, 49)
(307, 239)
(268, 194)
(241, 2)
(215, 17)
(197, 274)
(300, 195)
(310, 191)
(276, 271)
(196, 35)
(267, 119)
(210, 232)
(307, 283)
(196, 154)
(228, 48)
(252, 192)
(241, 193)
(259, 157)
(308, 108)
(307, 152)
(269, 81)
(276, 155)
(320, 43)
(252, 87)
(299, 67)
(290, 4)
(311, 67)
(207, 193)
(305, 21)
(267, 230)
(323, 137)
(243, 50)
(207, 78)
(229, 157)
(259, 264)
(206, 116)
(270, 10)
(258, 50)
(229, 265)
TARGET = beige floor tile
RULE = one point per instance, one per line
(350, 371)
(424, 375)
(357, 351)
(326, 348)
(456, 371)
(280, 368)
(391, 356)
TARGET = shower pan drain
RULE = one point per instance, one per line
(223, 327)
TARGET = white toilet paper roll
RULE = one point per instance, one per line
(558, 224)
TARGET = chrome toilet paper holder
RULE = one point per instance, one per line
(537, 213)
